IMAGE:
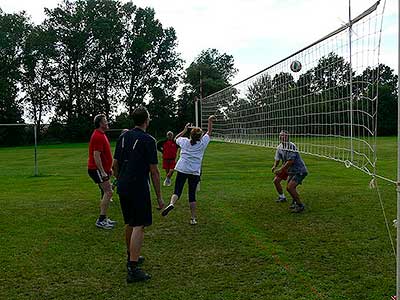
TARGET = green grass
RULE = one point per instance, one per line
(246, 246)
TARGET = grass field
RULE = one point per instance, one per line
(245, 246)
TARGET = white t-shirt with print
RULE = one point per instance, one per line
(191, 155)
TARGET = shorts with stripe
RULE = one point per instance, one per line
(96, 176)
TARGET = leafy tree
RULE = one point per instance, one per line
(13, 31)
(150, 60)
(38, 73)
(216, 71)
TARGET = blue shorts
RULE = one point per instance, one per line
(298, 178)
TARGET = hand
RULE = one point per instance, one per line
(188, 125)
(161, 204)
(212, 118)
(273, 169)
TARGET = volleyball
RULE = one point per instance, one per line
(295, 66)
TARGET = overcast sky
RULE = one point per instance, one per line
(256, 32)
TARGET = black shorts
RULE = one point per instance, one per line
(193, 181)
(136, 209)
(96, 176)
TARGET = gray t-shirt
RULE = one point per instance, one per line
(288, 151)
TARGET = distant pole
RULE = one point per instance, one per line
(351, 88)
(35, 136)
(198, 105)
(196, 111)
(398, 159)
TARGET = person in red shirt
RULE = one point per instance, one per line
(99, 168)
(168, 148)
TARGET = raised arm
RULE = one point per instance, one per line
(211, 120)
(182, 133)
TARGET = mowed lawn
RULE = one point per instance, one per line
(245, 246)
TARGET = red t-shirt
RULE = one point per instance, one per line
(169, 150)
(99, 142)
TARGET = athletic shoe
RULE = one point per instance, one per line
(299, 208)
(165, 182)
(193, 222)
(104, 224)
(136, 274)
(280, 199)
(168, 180)
(167, 210)
(293, 205)
(111, 222)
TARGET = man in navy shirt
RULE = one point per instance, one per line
(135, 159)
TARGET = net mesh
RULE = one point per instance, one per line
(329, 107)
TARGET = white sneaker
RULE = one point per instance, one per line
(111, 222)
(193, 222)
(104, 224)
(168, 180)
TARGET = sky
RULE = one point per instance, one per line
(256, 33)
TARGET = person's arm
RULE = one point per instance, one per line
(115, 168)
(117, 156)
(182, 133)
(99, 165)
(285, 166)
(155, 178)
(160, 145)
(211, 120)
(276, 163)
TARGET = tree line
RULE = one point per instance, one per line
(89, 57)
(108, 56)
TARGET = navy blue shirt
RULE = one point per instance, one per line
(135, 151)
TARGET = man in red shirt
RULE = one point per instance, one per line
(168, 148)
(99, 168)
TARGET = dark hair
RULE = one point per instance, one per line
(195, 135)
(97, 120)
(140, 115)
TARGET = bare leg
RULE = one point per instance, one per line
(136, 242)
(128, 234)
(170, 173)
(291, 188)
(105, 202)
(193, 209)
(278, 186)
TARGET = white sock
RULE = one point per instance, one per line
(282, 196)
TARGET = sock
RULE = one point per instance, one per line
(282, 196)
(102, 218)
(132, 264)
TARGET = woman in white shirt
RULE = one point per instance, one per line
(189, 165)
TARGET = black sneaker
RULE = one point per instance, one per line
(136, 275)
(167, 210)
(299, 208)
